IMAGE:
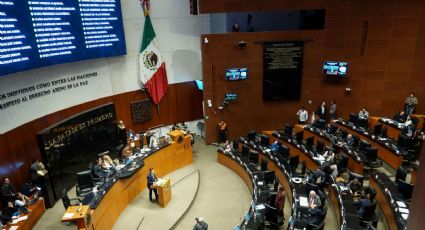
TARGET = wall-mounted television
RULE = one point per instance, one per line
(230, 97)
(234, 74)
(335, 68)
(200, 84)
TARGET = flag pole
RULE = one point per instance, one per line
(157, 107)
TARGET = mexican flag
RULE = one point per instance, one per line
(152, 66)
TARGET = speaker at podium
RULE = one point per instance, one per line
(163, 186)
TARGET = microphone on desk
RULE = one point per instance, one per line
(79, 208)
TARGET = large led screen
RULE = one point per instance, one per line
(48, 32)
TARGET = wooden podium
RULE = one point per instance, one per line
(164, 191)
(81, 217)
(175, 134)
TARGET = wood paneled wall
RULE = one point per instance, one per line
(380, 78)
(183, 102)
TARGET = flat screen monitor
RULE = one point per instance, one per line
(371, 153)
(234, 74)
(320, 146)
(253, 156)
(269, 177)
(402, 141)
(400, 174)
(245, 150)
(235, 145)
(299, 136)
(353, 118)
(43, 33)
(230, 97)
(335, 68)
(265, 140)
(251, 135)
(284, 150)
(310, 142)
(200, 84)
(288, 130)
(364, 145)
(377, 129)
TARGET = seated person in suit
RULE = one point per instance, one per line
(10, 210)
(126, 152)
(317, 176)
(274, 146)
(350, 140)
(98, 171)
(107, 161)
(400, 117)
(228, 148)
(355, 186)
(9, 193)
(314, 200)
(368, 198)
(363, 114)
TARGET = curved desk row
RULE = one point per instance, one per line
(386, 152)
(393, 127)
(255, 182)
(122, 192)
(342, 203)
(355, 165)
(390, 200)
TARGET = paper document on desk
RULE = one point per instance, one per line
(22, 218)
(401, 204)
(160, 182)
(343, 188)
(68, 215)
(404, 210)
(303, 201)
(404, 215)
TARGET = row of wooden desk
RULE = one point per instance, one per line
(123, 191)
(36, 210)
(353, 164)
(390, 157)
(342, 202)
(392, 130)
(347, 218)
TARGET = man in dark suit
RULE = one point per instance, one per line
(350, 140)
(314, 200)
(322, 110)
(151, 184)
(368, 199)
(400, 117)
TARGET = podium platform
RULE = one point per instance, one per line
(164, 191)
(81, 216)
(175, 134)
